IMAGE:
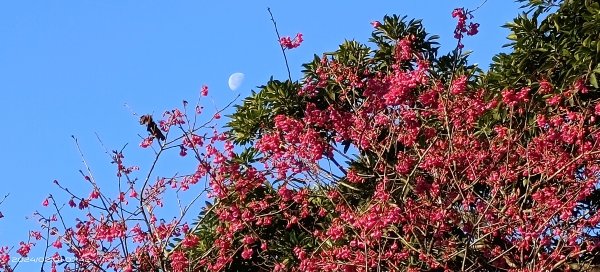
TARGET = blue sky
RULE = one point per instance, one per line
(69, 67)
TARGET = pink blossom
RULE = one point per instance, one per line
(247, 253)
(95, 194)
(461, 25)
(147, 142)
(24, 249)
(182, 151)
(287, 42)
(190, 241)
(57, 244)
(36, 235)
(4, 256)
(459, 85)
(179, 261)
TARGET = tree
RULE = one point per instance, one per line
(386, 158)
(453, 168)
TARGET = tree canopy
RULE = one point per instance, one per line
(389, 156)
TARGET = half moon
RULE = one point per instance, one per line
(235, 81)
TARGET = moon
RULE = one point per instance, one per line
(235, 81)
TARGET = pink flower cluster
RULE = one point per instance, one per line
(287, 42)
(461, 26)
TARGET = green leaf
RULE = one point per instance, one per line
(593, 80)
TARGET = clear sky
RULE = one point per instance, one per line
(69, 67)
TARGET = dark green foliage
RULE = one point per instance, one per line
(561, 48)
(394, 28)
(258, 110)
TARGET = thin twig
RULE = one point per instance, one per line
(478, 7)
(281, 46)
(4, 198)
